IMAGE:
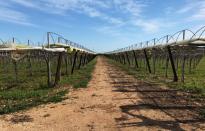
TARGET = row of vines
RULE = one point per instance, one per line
(179, 57)
(28, 67)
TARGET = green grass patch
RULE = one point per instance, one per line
(32, 90)
(80, 78)
(18, 99)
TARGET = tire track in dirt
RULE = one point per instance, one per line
(113, 101)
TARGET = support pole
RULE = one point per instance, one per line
(74, 61)
(15, 70)
(29, 62)
(58, 71)
(124, 62)
(166, 66)
(84, 59)
(29, 66)
(66, 63)
(147, 61)
(136, 62)
(13, 40)
(120, 58)
(81, 56)
(183, 68)
(48, 62)
(154, 60)
(128, 60)
(175, 79)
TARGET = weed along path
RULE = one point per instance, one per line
(113, 101)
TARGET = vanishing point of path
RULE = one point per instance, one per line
(113, 101)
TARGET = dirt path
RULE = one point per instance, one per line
(113, 101)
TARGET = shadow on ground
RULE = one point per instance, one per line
(21, 118)
(177, 107)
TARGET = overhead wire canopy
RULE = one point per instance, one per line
(184, 37)
(55, 43)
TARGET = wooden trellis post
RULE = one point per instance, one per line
(29, 62)
(127, 56)
(74, 62)
(154, 60)
(167, 59)
(15, 69)
(115, 57)
(66, 63)
(190, 63)
(29, 65)
(47, 57)
(84, 59)
(183, 68)
(124, 61)
(175, 78)
(87, 59)
(81, 56)
(166, 66)
(58, 71)
(135, 57)
(147, 61)
(120, 58)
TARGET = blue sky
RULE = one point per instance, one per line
(102, 25)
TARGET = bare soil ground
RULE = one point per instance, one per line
(113, 101)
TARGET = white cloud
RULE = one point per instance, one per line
(13, 16)
(91, 11)
(88, 7)
(149, 26)
(194, 8)
(128, 12)
(200, 15)
(133, 7)
(62, 7)
(27, 3)
(186, 8)
(92, 8)
(110, 30)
